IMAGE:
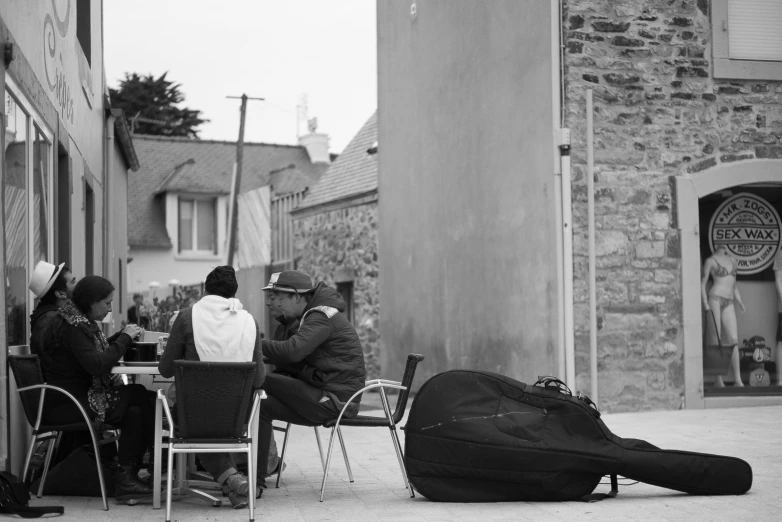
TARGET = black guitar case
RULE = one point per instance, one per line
(481, 437)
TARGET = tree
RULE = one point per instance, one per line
(151, 106)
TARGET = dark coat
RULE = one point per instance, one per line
(72, 360)
(326, 345)
(41, 330)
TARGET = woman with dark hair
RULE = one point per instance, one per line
(81, 364)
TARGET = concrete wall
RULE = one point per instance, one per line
(341, 246)
(467, 221)
(117, 237)
(659, 115)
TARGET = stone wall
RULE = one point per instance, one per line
(659, 113)
(337, 242)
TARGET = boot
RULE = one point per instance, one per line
(128, 486)
(140, 465)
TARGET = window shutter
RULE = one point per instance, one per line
(755, 29)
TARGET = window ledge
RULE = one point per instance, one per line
(725, 68)
(197, 256)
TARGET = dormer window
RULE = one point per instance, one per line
(197, 225)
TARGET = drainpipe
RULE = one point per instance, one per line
(591, 227)
(556, 123)
(107, 221)
(564, 210)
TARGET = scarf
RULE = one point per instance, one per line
(100, 394)
(222, 330)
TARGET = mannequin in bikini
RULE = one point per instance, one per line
(720, 300)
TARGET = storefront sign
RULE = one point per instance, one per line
(750, 227)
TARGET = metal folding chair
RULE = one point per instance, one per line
(213, 416)
(389, 421)
(32, 392)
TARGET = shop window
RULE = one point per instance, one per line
(346, 291)
(197, 225)
(83, 28)
(28, 211)
(747, 41)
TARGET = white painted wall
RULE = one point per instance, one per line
(156, 264)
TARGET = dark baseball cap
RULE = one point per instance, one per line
(291, 281)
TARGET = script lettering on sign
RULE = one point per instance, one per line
(750, 227)
(54, 32)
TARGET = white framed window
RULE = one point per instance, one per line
(747, 39)
(29, 192)
(197, 225)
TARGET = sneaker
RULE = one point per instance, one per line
(237, 501)
(238, 484)
(277, 469)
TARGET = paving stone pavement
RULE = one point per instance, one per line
(378, 493)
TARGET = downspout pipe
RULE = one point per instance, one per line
(591, 232)
(567, 249)
(107, 192)
(107, 221)
(557, 124)
(564, 219)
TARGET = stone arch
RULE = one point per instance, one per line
(689, 190)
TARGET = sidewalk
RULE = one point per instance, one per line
(752, 434)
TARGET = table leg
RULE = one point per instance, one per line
(157, 480)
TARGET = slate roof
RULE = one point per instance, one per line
(354, 172)
(203, 166)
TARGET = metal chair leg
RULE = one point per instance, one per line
(320, 448)
(99, 465)
(49, 452)
(251, 473)
(395, 440)
(169, 482)
(29, 456)
(282, 455)
(400, 456)
(344, 453)
(328, 463)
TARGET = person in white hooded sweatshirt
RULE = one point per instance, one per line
(216, 328)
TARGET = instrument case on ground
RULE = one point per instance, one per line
(482, 437)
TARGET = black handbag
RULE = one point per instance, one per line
(15, 499)
(77, 475)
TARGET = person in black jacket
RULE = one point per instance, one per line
(80, 361)
(53, 286)
(319, 367)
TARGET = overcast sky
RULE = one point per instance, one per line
(277, 50)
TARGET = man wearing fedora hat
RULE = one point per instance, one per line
(321, 364)
(52, 286)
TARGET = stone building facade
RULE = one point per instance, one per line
(335, 236)
(660, 117)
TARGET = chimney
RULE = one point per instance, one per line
(317, 144)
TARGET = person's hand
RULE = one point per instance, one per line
(743, 308)
(133, 330)
(706, 306)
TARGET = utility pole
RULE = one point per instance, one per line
(232, 228)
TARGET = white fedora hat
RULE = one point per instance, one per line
(44, 276)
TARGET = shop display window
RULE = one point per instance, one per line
(28, 192)
(740, 249)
